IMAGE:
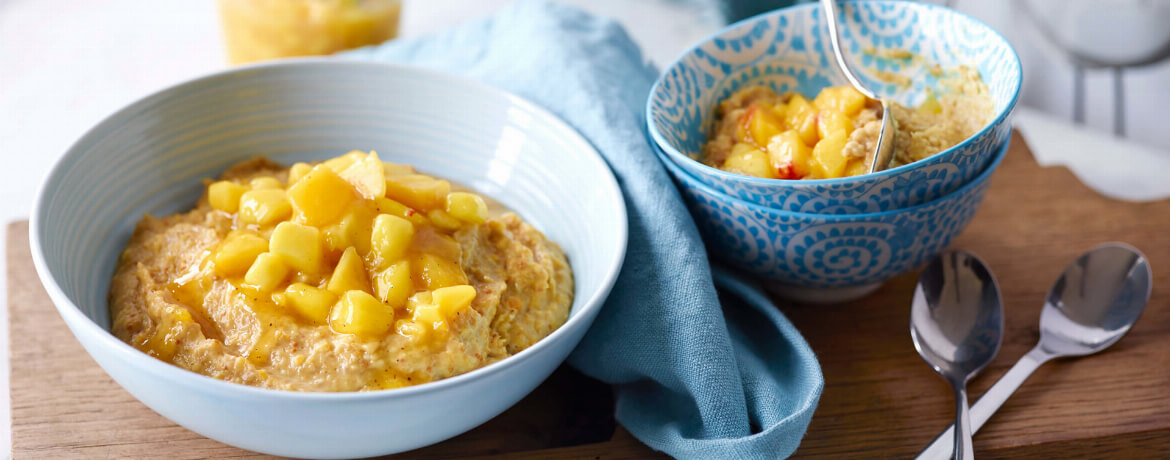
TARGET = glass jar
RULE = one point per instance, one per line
(256, 30)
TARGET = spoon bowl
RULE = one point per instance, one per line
(1096, 300)
(956, 321)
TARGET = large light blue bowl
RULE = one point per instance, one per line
(823, 256)
(788, 49)
(151, 156)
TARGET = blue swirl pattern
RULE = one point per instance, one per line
(784, 49)
(828, 250)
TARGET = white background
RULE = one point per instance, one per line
(65, 64)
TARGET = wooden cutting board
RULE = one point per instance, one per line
(880, 399)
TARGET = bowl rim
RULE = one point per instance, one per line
(122, 351)
(983, 176)
(673, 153)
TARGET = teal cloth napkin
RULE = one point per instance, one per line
(692, 378)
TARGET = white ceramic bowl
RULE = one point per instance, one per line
(151, 156)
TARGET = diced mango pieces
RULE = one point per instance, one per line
(394, 208)
(930, 105)
(844, 99)
(349, 274)
(833, 121)
(297, 171)
(762, 123)
(749, 160)
(225, 195)
(856, 167)
(310, 302)
(395, 169)
(267, 272)
(390, 238)
(418, 191)
(433, 272)
(353, 230)
(368, 177)
(829, 162)
(393, 284)
(360, 313)
(441, 219)
(321, 197)
(802, 116)
(298, 245)
(343, 162)
(264, 206)
(237, 252)
(453, 299)
(265, 182)
(467, 207)
(789, 156)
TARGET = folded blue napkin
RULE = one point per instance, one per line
(692, 378)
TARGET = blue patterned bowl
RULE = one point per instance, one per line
(825, 251)
(788, 50)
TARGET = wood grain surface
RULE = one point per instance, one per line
(880, 399)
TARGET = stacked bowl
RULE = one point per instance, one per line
(833, 239)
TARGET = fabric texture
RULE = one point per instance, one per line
(692, 377)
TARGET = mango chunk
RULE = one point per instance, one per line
(264, 206)
(343, 162)
(321, 197)
(829, 160)
(453, 299)
(395, 169)
(394, 208)
(353, 230)
(267, 272)
(789, 156)
(844, 99)
(225, 196)
(360, 313)
(418, 191)
(833, 121)
(393, 284)
(297, 171)
(390, 238)
(368, 177)
(467, 207)
(237, 252)
(762, 124)
(800, 115)
(746, 159)
(443, 220)
(298, 245)
(433, 272)
(265, 182)
(349, 274)
(309, 302)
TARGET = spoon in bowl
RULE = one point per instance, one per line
(884, 152)
(1093, 303)
(956, 321)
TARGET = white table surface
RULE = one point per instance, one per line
(66, 64)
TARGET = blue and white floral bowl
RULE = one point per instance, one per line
(788, 50)
(828, 257)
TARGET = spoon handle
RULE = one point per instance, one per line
(963, 447)
(829, 8)
(941, 448)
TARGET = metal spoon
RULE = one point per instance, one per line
(884, 152)
(1093, 303)
(956, 321)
